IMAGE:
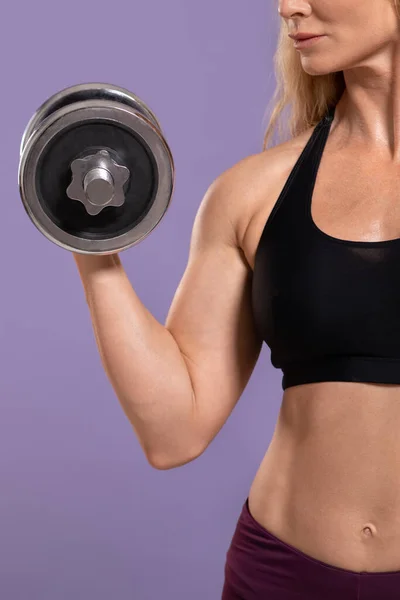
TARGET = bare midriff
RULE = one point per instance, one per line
(329, 483)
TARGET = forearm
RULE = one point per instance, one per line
(143, 363)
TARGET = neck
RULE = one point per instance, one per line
(369, 109)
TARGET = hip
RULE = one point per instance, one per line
(260, 565)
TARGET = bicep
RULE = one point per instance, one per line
(211, 316)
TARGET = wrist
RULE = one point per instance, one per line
(91, 263)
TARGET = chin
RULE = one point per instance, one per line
(312, 68)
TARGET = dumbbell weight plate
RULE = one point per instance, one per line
(81, 92)
(78, 129)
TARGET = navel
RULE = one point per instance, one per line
(369, 531)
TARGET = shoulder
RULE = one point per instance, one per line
(252, 182)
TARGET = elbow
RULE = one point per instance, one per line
(164, 461)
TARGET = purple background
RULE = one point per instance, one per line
(82, 514)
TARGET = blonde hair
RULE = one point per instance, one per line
(308, 97)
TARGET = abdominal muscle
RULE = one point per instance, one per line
(329, 484)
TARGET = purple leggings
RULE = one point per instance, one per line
(259, 566)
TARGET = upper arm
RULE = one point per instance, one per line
(211, 316)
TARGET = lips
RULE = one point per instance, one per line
(303, 36)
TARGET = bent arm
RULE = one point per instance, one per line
(178, 383)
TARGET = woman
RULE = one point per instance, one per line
(298, 246)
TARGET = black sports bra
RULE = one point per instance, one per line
(328, 309)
